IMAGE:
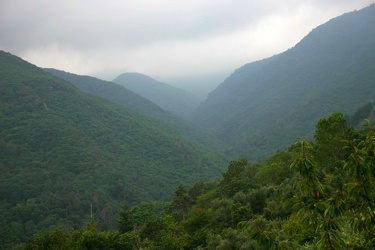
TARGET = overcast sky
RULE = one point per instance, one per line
(165, 39)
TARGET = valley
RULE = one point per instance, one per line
(279, 156)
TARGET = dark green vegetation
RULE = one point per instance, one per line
(265, 105)
(317, 195)
(64, 152)
(168, 97)
(128, 98)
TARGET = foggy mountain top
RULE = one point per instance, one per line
(171, 41)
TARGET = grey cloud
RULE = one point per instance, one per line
(159, 36)
(86, 24)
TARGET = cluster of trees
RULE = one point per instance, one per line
(315, 195)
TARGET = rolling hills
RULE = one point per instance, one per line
(264, 106)
(64, 151)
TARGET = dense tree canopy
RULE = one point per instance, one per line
(311, 207)
(67, 156)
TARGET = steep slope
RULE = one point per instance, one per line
(265, 105)
(63, 151)
(128, 98)
(168, 97)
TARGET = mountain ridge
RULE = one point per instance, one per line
(243, 107)
(121, 95)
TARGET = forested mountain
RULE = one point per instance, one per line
(72, 163)
(263, 106)
(121, 95)
(315, 195)
(64, 151)
(173, 99)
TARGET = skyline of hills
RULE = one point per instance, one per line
(121, 95)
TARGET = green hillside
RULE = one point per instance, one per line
(173, 99)
(315, 195)
(128, 98)
(265, 105)
(64, 152)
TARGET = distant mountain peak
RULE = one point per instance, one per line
(168, 97)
